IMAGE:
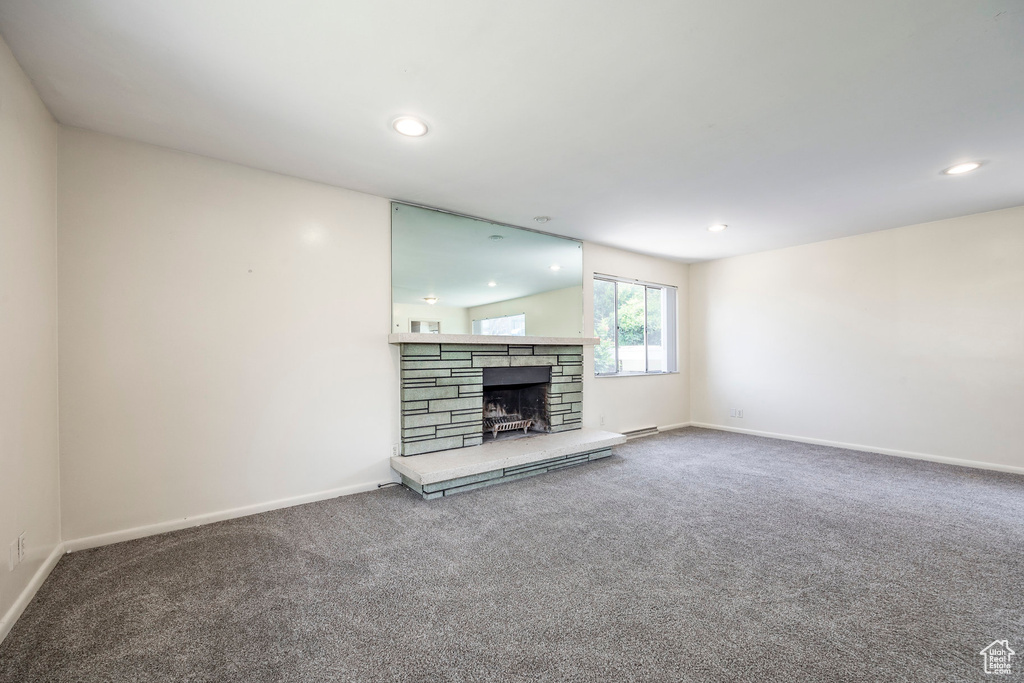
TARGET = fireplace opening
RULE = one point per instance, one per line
(516, 402)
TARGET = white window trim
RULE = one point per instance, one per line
(473, 323)
(671, 318)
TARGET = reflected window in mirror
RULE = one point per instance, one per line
(425, 326)
(513, 325)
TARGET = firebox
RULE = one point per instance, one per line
(516, 401)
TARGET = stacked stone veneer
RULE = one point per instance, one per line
(442, 390)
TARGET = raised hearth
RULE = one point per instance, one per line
(463, 469)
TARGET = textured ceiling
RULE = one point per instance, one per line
(630, 124)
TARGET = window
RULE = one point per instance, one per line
(507, 324)
(636, 322)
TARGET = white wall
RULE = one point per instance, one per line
(549, 314)
(906, 340)
(29, 493)
(628, 403)
(223, 335)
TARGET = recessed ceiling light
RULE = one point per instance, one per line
(542, 219)
(492, 283)
(409, 125)
(966, 167)
(719, 227)
(496, 238)
(555, 266)
(430, 300)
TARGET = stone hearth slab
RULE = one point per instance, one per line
(495, 458)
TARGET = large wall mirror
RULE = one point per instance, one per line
(456, 275)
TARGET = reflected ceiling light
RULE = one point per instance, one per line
(409, 125)
(542, 219)
(430, 300)
(966, 167)
(719, 227)
(555, 266)
(492, 283)
(496, 238)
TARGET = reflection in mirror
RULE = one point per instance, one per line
(425, 326)
(457, 275)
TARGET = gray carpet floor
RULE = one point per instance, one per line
(693, 555)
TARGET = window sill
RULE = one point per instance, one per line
(635, 374)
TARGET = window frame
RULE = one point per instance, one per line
(473, 323)
(669, 329)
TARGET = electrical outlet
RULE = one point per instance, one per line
(21, 547)
(601, 420)
(736, 412)
(396, 449)
(12, 557)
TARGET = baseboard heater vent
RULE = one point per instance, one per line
(637, 433)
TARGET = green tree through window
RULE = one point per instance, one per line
(604, 324)
(629, 319)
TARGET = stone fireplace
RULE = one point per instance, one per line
(524, 399)
(459, 395)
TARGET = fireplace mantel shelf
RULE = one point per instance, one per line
(413, 338)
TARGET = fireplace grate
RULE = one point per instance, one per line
(506, 423)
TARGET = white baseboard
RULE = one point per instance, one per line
(7, 623)
(210, 517)
(667, 428)
(868, 449)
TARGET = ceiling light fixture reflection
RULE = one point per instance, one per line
(555, 266)
(965, 167)
(492, 283)
(410, 126)
(542, 219)
(719, 227)
(496, 238)
(430, 300)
